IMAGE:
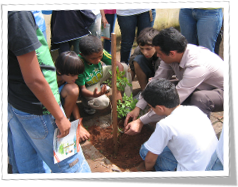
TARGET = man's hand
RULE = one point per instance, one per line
(132, 115)
(133, 127)
(64, 127)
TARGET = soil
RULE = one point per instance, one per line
(127, 155)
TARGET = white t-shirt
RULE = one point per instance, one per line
(189, 135)
(130, 12)
(95, 11)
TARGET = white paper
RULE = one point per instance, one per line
(68, 145)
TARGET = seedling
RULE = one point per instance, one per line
(125, 106)
(121, 80)
(120, 130)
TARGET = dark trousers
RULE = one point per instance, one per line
(207, 100)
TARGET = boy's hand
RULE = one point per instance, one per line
(103, 91)
(64, 127)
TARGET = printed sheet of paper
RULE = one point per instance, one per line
(68, 145)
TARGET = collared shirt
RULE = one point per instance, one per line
(199, 69)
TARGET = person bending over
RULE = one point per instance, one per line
(198, 70)
(184, 140)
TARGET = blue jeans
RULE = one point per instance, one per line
(111, 18)
(215, 163)
(30, 145)
(128, 26)
(164, 162)
(201, 26)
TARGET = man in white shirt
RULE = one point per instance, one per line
(184, 140)
(199, 71)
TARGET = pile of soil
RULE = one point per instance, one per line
(128, 146)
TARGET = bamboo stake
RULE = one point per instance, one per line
(114, 91)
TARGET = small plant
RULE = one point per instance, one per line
(121, 81)
(126, 105)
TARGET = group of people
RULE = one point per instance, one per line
(43, 94)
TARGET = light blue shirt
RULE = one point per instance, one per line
(40, 20)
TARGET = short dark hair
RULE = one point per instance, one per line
(69, 63)
(161, 92)
(170, 39)
(90, 44)
(146, 36)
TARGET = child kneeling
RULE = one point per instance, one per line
(68, 67)
(90, 81)
(184, 140)
(144, 61)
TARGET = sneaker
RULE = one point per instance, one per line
(89, 110)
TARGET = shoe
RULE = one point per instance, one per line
(89, 110)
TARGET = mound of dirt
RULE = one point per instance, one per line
(128, 146)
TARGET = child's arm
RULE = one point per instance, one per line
(36, 82)
(86, 93)
(120, 66)
(107, 59)
(150, 161)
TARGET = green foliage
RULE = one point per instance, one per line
(121, 81)
(126, 105)
(61, 149)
